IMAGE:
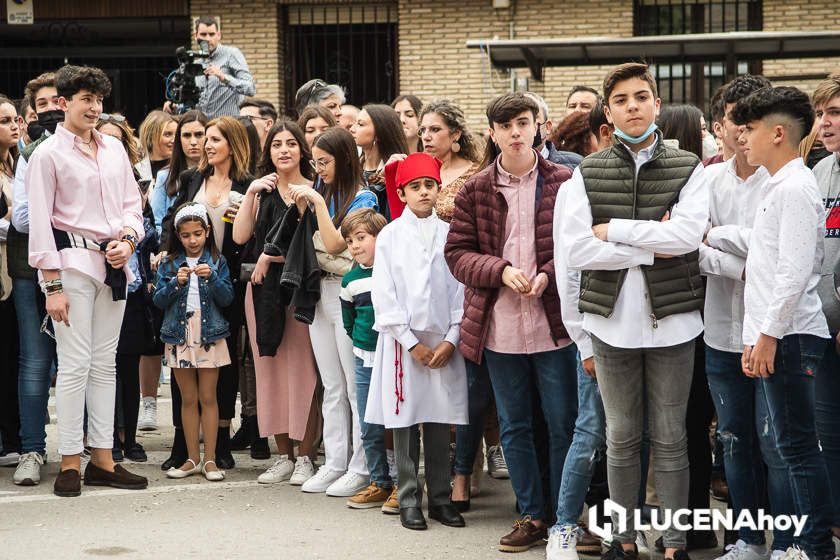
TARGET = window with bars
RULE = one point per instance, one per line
(353, 45)
(695, 82)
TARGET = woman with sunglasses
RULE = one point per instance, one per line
(336, 161)
(138, 340)
(318, 92)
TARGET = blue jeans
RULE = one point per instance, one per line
(741, 421)
(828, 421)
(588, 444)
(554, 374)
(468, 437)
(373, 435)
(37, 354)
(790, 397)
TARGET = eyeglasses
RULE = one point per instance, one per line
(109, 117)
(320, 164)
(44, 328)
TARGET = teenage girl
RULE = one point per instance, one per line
(193, 285)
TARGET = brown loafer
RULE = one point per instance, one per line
(587, 543)
(120, 478)
(68, 484)
(525, 535)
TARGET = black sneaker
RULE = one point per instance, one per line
(616, 552)
(680, 555)
(136, 453)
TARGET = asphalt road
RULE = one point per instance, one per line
(237, 518)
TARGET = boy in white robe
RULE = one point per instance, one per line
(418, 375)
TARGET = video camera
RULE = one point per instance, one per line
(181, 87)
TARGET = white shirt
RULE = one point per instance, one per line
(733, 206)
(194, 296)
(20, 210)
(568, 286)
(785, 258)
(630, 244)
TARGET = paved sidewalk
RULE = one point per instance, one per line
(237, 518)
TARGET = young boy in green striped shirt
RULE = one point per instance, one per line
(359, 230)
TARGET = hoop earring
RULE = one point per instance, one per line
(456, 147)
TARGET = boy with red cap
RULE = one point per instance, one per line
(418, 376)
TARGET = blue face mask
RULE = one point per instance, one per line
(637, 139)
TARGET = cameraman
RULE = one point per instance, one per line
(226, 79)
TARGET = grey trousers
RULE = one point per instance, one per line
(661, 378)
(436, 454)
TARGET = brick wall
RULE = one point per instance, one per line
(434, 61)
(251, 26)
(801, 15)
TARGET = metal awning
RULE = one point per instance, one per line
(536, 54)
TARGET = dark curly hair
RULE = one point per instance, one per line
(573, 134)
(785, 101)
(70, 80)
(742, 86)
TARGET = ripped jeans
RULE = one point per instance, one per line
(744, 431)
(589, 442)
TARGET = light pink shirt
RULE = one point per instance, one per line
(519, 325)
(71, 191)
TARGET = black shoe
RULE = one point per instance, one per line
(680, 555)
(412, 518)
(446, 514)
(240, 440)
(136, 453)
(179, 455)
(224, 459)
(694, 540)
(616, 552)
(259, 446)
(461, 505)
(117, 455)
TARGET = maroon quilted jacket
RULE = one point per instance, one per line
(474, 250)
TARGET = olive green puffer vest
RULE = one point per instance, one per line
(614, 191)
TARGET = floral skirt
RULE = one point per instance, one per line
(194, 354)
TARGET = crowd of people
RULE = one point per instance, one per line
(583, 299)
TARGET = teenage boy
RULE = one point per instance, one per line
(85, 219)
(826, 100)
(785, 332)
(736, 190)
(501, 248)
(37, 349)
(632, 223)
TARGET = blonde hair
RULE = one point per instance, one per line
(129, 142)
(826, 90)
(151, 129)
(366, 218)
(237, 138)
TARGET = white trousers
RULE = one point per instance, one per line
(333, 351)
(87, 351)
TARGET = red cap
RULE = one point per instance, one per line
(400, 173)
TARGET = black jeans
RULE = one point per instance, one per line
(128, 395)
(698, 420)
(9, 352)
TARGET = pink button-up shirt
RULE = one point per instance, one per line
(71, 191)
(519, 325)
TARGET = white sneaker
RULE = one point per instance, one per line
(496, 464)
(321, 480)
(642, 544)
(562, 543)
(348, 485)
(148, 416)
(777, 554)
(9, 459)
(280, 471)
(304, 470)
(743, 551)
(28, 471)
(794, 553)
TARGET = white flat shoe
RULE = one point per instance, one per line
(178, 473)
(212, 476)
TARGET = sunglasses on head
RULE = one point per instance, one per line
(109, 117)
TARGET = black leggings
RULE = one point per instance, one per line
(128, 393)
(698, 420)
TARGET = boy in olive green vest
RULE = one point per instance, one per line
(632, 224)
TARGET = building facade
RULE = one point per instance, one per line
(380, 48)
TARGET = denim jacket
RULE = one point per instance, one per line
(215, 292)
